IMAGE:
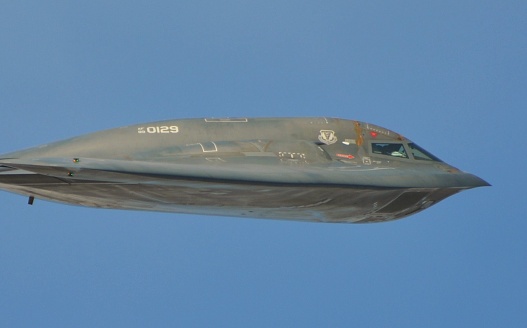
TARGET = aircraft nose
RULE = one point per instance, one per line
(472, 181)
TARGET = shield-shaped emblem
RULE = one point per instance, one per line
(327, 136)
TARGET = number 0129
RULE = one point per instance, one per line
(159, 129)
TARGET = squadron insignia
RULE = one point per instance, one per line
(327, 136)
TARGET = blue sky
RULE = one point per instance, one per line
(450, 75)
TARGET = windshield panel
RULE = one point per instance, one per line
(389, 149)
(421, 154)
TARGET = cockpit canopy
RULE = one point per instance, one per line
(385, 142)
(402, 150)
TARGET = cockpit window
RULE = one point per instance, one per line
(390, 149)
(421, 154)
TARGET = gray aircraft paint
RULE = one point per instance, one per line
(307, 169)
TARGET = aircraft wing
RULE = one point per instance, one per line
(133, 172)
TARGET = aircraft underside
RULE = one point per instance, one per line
(331, 203)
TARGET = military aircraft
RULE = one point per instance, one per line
(306, 169)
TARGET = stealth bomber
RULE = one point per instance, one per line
(306, 169)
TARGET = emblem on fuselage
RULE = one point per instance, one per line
(327, 136)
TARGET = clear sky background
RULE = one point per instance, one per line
(450, 75)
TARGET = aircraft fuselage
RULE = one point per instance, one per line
(307, 169)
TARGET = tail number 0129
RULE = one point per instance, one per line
(158, 129)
